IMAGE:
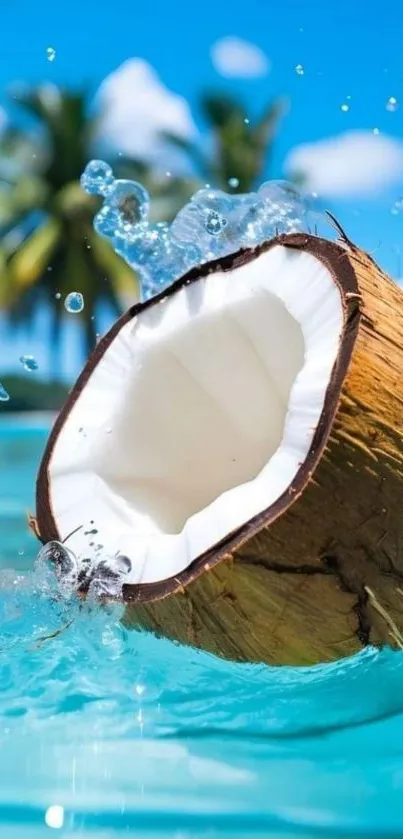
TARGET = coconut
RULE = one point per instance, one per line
(237, 441)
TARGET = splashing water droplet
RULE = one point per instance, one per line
(233, 182)
(299, 69)
(344, 107)
(4, 396)
(74, 302)
(50, 53)
(246, 121)
(97, 178)
(392, 104)
(58, 295)
(29, 362)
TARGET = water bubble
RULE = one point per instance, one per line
(392, 104)
(29, 362)
(345, 107)
(299, 70)
(4, 396)
(50, 53)
(233, 182)
(58, 295)
(97, 178)
(215, 223)
(74, 302)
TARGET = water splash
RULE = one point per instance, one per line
(212, 225)
(67, 574)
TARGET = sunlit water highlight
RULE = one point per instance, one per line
(123, 734)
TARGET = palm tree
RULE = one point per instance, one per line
(240, 147)
(49, 247)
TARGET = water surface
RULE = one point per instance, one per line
(137, 737)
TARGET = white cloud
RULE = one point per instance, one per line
(136, 108)
(352, 164)
(234, 58)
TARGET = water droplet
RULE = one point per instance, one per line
(29, 362)
(74, 302)
(140, 689)
(168, 174)
(4, 396)
(50, 53)
(376, 131)
(97, 178)
(345, 107)
(299, 70)
(54, 816)
(246, 121)
(392, 104)
(215, 223)
(21, 553)
(233, 182)
(58, 295)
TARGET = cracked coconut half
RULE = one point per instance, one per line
(237, 440)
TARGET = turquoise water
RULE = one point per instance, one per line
(137, 737)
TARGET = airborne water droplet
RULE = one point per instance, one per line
(74, 302)
(29, 362)
(4, 396)
(392, 104)
(233, 182)
(50, 53)
(299, 70)
(345, 107)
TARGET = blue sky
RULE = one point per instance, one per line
(348, 49)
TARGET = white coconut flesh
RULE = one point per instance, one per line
(199, 414)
